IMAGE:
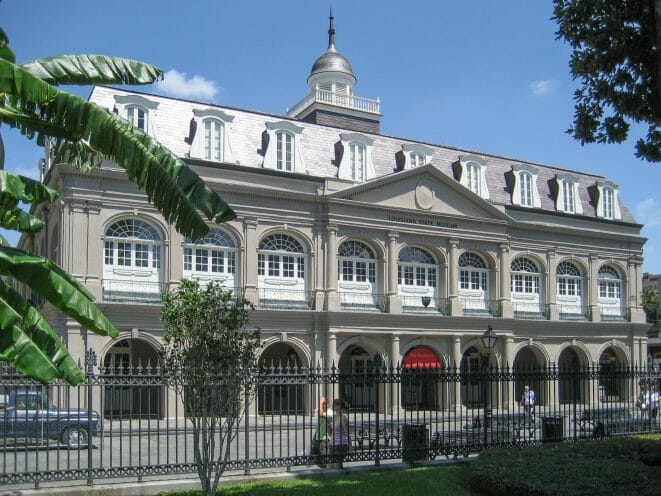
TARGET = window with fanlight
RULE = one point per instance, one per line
(473, 281)
(525, 282)
(214, 257)
(281, 268)
(569, 281)
(417, 277)
(610, 292)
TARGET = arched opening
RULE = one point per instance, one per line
(529, 371)
(572, 381)
(356, 369)
(612, 382)
(420, 380)
(274, 395)
(473, 389)
(131, 359)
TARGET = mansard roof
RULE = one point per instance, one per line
(319, 147)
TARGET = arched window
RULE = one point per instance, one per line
(569, 282)
(137, 116)
(473, 282)
(132, 260)
(284, 151)
(524, 276)
(357, 275)
(416, 278)
(211, 258)
(213, 139)
(608, 203)
(610, 293)
(281, 268)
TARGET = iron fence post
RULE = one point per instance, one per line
(246, 427)
(90, 362)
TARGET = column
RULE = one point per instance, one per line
(332, 297)
(508, 359)
(455, 401)
(250, 260)
(505, 285)
(318, 268)
(394, 390)
(593, 284)
(551, 285)
(394, 302)
(331, 350)
(634, 287)
(453, 272)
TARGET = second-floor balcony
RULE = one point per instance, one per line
(425, 304)
(574, 312)
(609, 313)
(337, 99)
(132, 291)
(362, 302)
(481, 308)
(286, 299)
(530, 311)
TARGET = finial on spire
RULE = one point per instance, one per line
(331, 30)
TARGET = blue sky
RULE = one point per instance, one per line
(483, 75)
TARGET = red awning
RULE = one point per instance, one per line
(421, 358)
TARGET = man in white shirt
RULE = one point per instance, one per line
(528, 402)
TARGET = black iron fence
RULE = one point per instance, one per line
(125, 422)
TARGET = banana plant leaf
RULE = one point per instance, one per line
(18, 220)
(92, 69)
(6, 53)
(32, 344)
(173, 187)
(25, 189)
(58, 287)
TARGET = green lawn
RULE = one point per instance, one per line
(616, 466)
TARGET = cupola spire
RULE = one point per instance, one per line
(331, 30)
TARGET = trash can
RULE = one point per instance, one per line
(553, 428)
(415, 442)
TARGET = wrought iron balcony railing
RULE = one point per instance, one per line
(614, 314)
(425, 304)
(530, 311)
(481, 308)
(130, 291)
(286, 299)
(362, 302)
(574, 312)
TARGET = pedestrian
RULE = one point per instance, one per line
(528, 402)
(654, 402)
(323, 433)
(644, 400)
(340, 442)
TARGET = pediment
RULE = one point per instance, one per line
(424, 189)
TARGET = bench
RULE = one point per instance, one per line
(365, 435)
(600, 422)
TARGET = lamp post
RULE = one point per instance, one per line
(489, 341)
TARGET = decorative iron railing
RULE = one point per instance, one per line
(481, 308)
(614, 314)
(285, 299)
(408, 411)
(575, 312)
(362, 302)
(425, 304)
(531, 311)
(132, 291)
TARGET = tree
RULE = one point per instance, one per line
(208, 356)
(617, 58)
(650, 301)
(82, 134)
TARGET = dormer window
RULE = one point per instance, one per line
(568, 199)
(137, 116)
(525, 191)
(473, 175)
(416, 155)
(138, 110)
(356, 164)
(608, 206)
(212, 142)
(283, 151)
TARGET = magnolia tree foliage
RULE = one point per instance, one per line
(81, 134)
(617, 59)
(209, 355)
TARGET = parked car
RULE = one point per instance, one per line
(31, 414)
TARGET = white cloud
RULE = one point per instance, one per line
(542, 87)
(176, 84)
(648, 212)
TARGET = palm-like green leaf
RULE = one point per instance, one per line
(25, 189)
(58, 287)
(19, 220)
(92, 69)
(6, 53)
(38, 351)
(174, 189)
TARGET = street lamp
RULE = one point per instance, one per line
(489, 341)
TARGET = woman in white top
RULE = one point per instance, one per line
(340, 428)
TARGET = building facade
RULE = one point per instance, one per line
(352, 244)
